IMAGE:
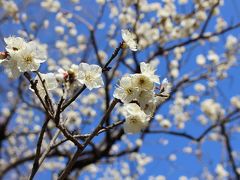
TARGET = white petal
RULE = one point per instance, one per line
(84, 67)
(96, 70)
(50, 80)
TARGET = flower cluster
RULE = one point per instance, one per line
(76, 76)
(136, 91)
(84, 74)
(214, 112)
(22, 56)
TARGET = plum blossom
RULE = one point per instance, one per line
(68, 77)
(139, 87)
(146, 79)
(164, 93)
(14, 44)
(49, 81)
(136, 119)
(10, 8)
(145, 97)
(150, 107)
(231, 42)
(149, 71)
(235, 101)
(142, 82)
(11, 68)
(221, 172)
(30, 58)
(22, 56)
(130, 39)
(90, 75)
(51, 5)
(165, 87)
(165, 123)
(126, 90)
(214, 112)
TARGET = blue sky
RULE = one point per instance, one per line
(188, 165)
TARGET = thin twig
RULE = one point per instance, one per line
(70, 164)
(38, 150)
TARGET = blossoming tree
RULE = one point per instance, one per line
(100, 89)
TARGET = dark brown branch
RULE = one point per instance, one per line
(38, 150)
(227, 119)
(115, 53)
(65, 105)
(48, 99)
(162, 51)
(70, 164)
(68, 135)
(209, 18)
(230, 151)
(22, 160)
(181, 134)
(202, 37)
(84, 136)
(34, 87)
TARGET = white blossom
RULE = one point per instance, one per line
(144, 97)
(136, 119)
(11, 68)
(213, 57)
(174, 72)
(126, 91)
(221, 172)
(212, 109)
(101, 2)
(90, 75)
(200, 60)
(51, 5)
(166, 87)
(202, 119)
(183, 1)
(10, 7)
(140, 87)
(30, 58)
(231, 42)
(199, 87)
(130, 39)
(221, 24)
(235, 101)
(165, 123)
(14, 44)
(149, 71)
(142, 82)
(69, 77)
(59, 29)
(172, 157)
(187, 150)
(22, 56)
(49, 81)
